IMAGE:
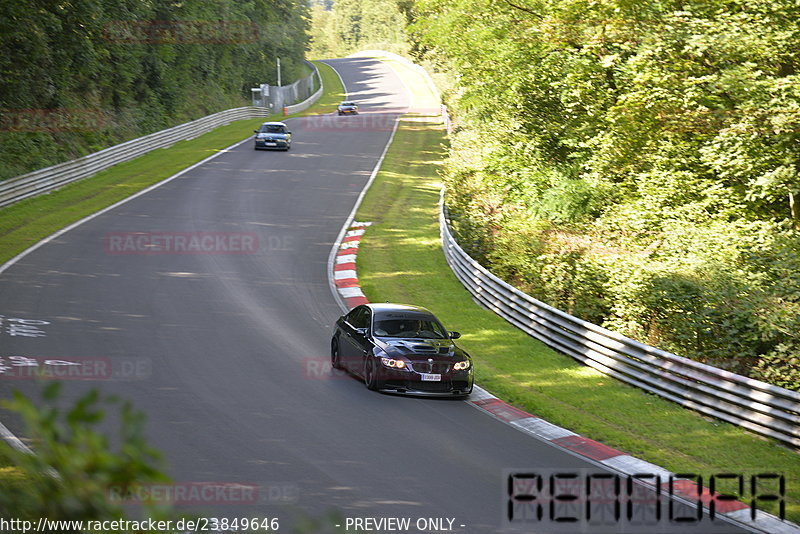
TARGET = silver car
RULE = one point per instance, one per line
(348, 108)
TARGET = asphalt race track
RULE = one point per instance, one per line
(226, 349)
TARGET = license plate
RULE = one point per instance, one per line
(431, 378)
(270, 144)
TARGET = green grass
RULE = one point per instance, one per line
(28, 222)
(400, 260)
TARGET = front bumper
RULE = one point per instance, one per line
(348, 112)
(453, 384)
(275, 144)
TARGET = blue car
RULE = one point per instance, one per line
(273, 136)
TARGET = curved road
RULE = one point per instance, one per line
(226, 352)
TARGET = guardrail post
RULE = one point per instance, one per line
(50, 178)
(762, 408)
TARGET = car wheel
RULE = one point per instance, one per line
(336, 361)
(370, 376)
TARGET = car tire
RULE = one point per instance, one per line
(370, 374)
(336, 361)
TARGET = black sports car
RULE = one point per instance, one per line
(273, 136)
(403, 349)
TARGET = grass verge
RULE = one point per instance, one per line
(400, 260)
(28, 222)
(31, 220)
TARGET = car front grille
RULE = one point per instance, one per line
(430, 367)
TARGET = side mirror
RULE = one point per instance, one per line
(455, 335)
(361, 331)
(255, 131)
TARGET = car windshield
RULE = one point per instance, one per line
(272, 128)
(348, 103)
(414, 327)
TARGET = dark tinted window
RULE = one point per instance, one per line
(359, 317)
(410, 325)
(272, 128)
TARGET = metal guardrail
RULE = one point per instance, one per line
(760, 407)
(297, 108)
(50, 178)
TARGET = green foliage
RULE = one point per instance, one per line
(82, 75)
(347, 26)
(780, 367)
(632, 163)
(74, 465)
(76, 473)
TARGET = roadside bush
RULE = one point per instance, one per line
(574, 283)
(69, 476)
(76, 471)
(570, 201)
(721, 293)
(661, 145)
(780, 367)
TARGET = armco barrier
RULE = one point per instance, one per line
(301, 89)
(50, 178)
(297, 108)
(47, 179)
(760, 407)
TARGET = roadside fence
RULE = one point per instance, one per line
(50, 178)
(762, 408)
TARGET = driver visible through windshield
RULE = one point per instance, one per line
(272, 128)
(409, 327)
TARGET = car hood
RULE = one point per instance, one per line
(267, 135)
(415, 347)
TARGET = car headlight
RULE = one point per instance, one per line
(460, 366)
(394, 364)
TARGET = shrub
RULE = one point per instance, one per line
(780, 367)
(69, 476)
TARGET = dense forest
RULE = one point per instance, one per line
(81, 75)
(634, 163)
(342, 27)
